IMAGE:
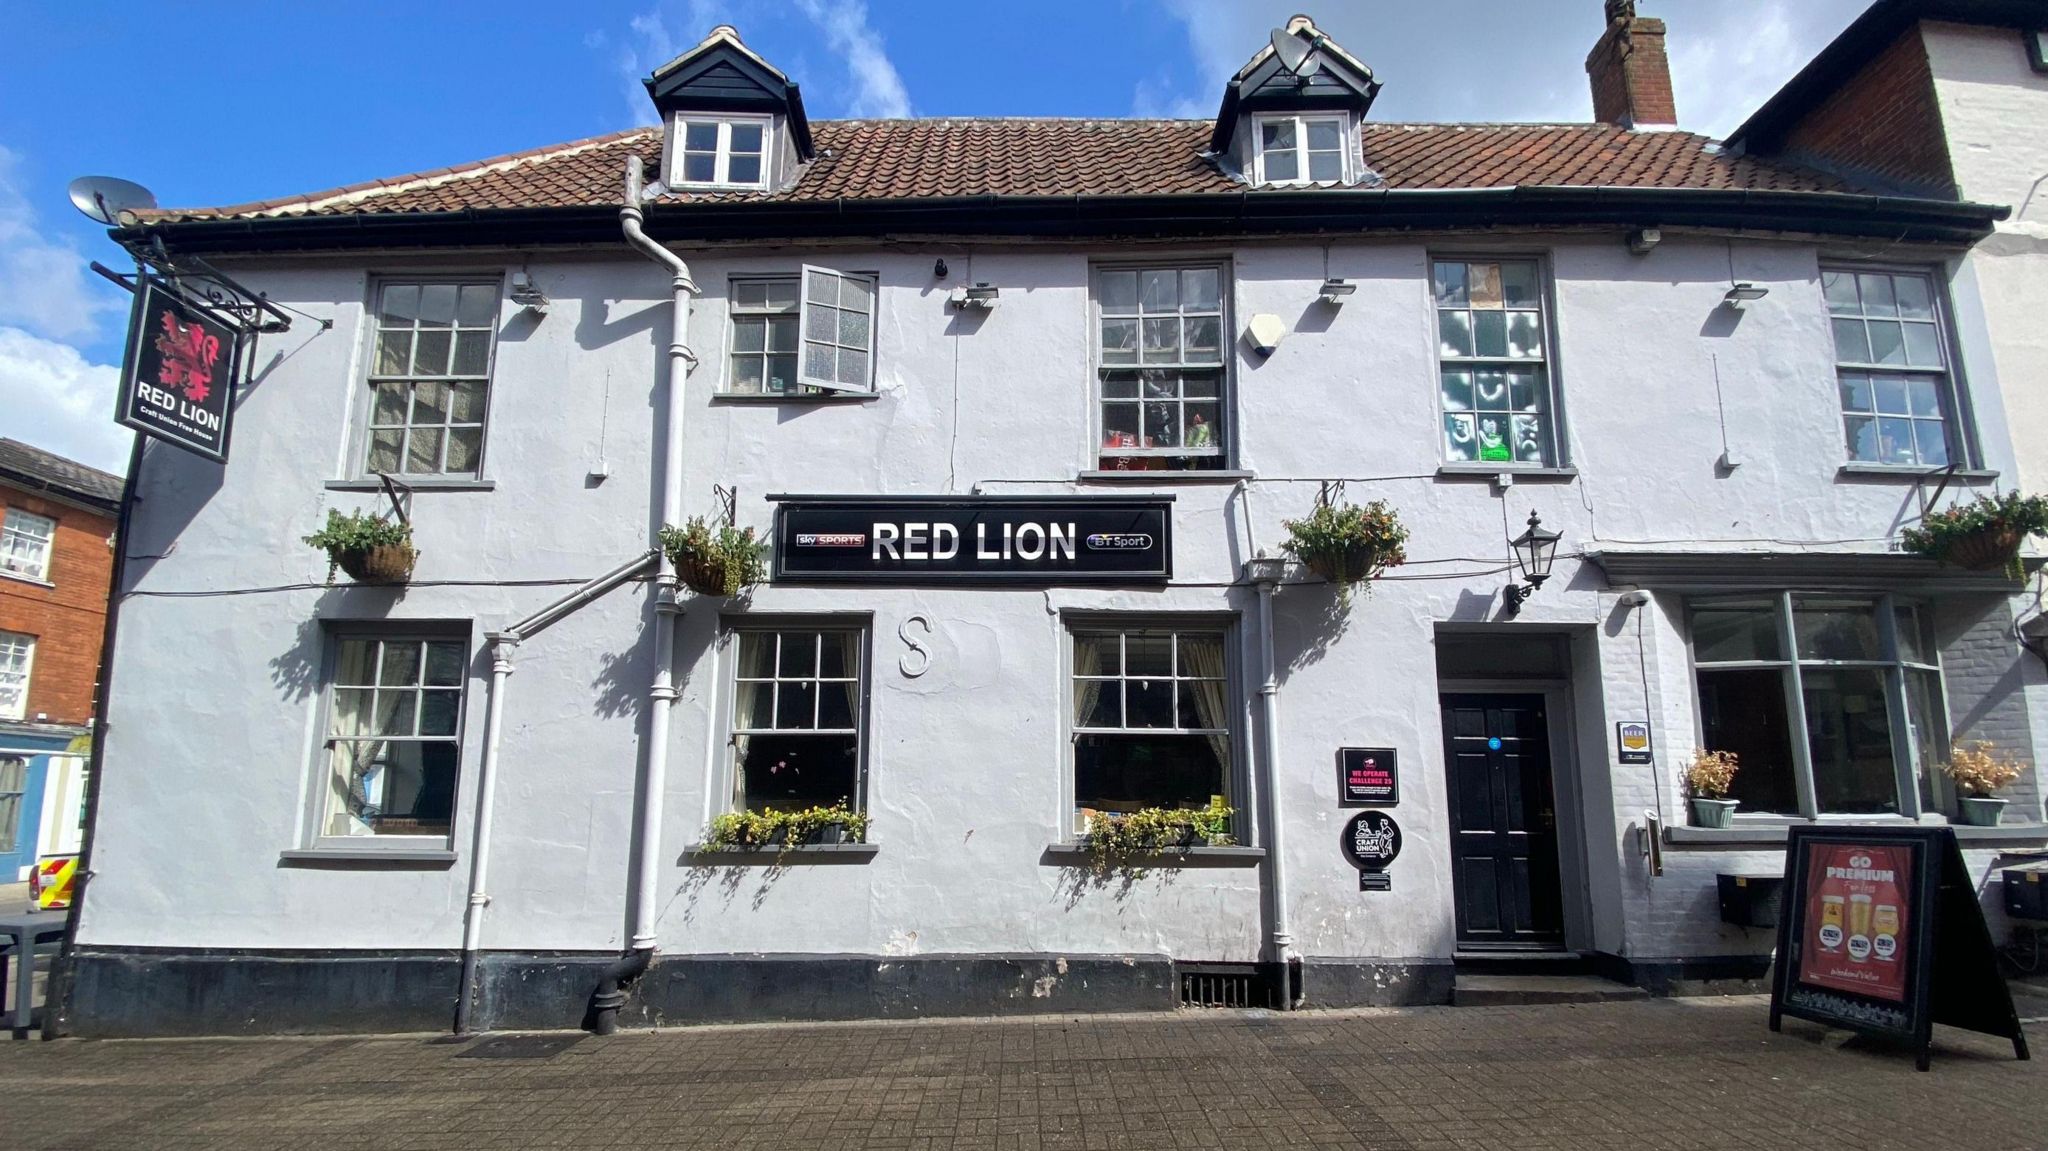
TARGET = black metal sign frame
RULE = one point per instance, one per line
(179, 372)
(1950, 972)
(1039, 540)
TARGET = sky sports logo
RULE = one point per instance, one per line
(832, 539)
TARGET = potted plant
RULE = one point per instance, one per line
(1116, 838)
(1978, 771)
(1708, 779)
(369, 548)
(838, 823)
(1348, 544)
(1982, 535)
(722, 561)
(737, 831)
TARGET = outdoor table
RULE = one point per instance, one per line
(24, 932)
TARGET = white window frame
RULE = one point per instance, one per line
(678, 135)
(1920, 786)
(734, 627)
(728, 383)
(1301, 121)
(1224, 629)
(320, 806)
(807, 312)
(1545, 362)
(1223, 450)
(14, 529)
(374, 330)
(810, 308)
(1952, 412)
(14, 682)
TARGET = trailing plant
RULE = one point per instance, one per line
(741, 829)
(1978, 771)
(357, 533)
(1985, 532)
(1116, 838)
(1711, 773)
(1347, 544)
(720, 561)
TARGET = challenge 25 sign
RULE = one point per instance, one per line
(938, 539)
(178, 383)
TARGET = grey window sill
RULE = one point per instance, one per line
(1219, 476)
(821, 398)
(367, 857)
(708, 855)
(1075, 855)
(1773, 834)
(1518, 471)
(418, 485)
(28, 579)
(1907, 474)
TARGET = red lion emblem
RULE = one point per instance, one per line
(188, 356)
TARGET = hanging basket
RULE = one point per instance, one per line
(1990, 549)
(1352, 564)
(704, 575)
(386, 564)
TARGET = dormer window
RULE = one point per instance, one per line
(721, 151)
(1301, 150)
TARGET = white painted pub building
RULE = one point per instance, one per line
(1727, 381)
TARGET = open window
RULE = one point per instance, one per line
(838, 331)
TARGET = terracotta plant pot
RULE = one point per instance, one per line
(1980, 810)
(1714, 812)
(703, 576)
(1987, 550)
(385, 564)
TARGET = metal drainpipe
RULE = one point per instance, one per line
(610, 994)
(502, 646)
(1266, 574)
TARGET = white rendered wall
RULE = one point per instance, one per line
(209, 758)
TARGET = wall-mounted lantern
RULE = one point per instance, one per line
(1533, 550)
(1334, 290)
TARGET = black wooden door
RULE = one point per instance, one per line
(1503, 822)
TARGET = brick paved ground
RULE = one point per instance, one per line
(1702, 1073)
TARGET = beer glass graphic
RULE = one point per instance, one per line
(1859, 927)
(1885, 923)
(1831, 922)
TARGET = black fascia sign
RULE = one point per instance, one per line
(178, 378)
(994, 539)
(1368, 777)
(1370, 842)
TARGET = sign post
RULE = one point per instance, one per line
(1882, 934)
(178, 379)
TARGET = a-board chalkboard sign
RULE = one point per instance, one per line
(1881, 933)
(1368, 777)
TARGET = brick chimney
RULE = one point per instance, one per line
(1631, 77)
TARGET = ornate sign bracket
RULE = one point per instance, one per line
(206, 286)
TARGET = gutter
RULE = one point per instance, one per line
(1265, 573)
(1243, 212)
(610, 994)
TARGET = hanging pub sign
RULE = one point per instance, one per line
(1368, 777)
(178, 379)
(1882, 934)
(1633, 738)
(1370, 842)
(952, 539)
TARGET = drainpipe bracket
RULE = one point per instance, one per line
(669, 694)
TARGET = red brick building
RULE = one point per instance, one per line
(56, 524)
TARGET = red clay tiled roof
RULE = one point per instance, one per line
(894, 159)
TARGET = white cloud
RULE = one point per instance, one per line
(54, 398)
(877, 88)
(43, 282)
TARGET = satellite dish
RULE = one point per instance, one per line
(1293, 52)
(105, 198)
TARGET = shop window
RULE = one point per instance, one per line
(720, 152)
(803, 335)
(1495, 380)
(1832, 704)
(1891, 364)
(394, 733)
(25, 541)
(17, 657)
(1300, 150)
(798, 702)
(1159, 356)
(1152, 717)
(430, 377)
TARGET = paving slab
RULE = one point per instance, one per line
(1664, 1073)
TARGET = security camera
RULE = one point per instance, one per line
(1636, 598)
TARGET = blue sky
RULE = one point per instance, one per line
(209, 104)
